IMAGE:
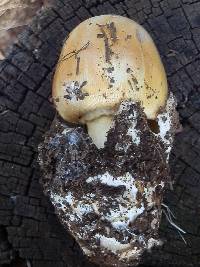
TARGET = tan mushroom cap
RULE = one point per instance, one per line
(107, 59)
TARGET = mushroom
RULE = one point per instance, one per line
(107, 183)
(105, 60)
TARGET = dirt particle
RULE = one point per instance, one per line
(128, 37)
(77, 65)
(100, 35)
(113, 31)
(110, 69)
(135, 81)
(83, 84)
(108, 33)
(112, 80)
(130, 84)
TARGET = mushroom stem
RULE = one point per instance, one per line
(98, 129)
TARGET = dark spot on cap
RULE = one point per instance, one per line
(110, 69)
(113, 31)
(131, 86)
(67, 97)
(112, 80)
(83, 84)
(128, 37)
(128, 70)
(100, 35)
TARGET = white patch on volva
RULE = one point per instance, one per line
(120, 147)
(154, 223)
(162, 184)
(69, 198)
(96, 207)
(126, 211)
(153, 242)
(134, 133)
(62, 200)
(121, 217)
(78, 209)
(124, 106)
(148, 192)
(87, 251)
(111, 243)
(66, 131)
(165, 124)
(134, 253)
(82, 209)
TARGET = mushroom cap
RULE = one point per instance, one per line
(105, 60)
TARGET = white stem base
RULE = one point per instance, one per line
(98, 129)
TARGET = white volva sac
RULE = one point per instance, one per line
(127, 210)
(120, 217)
(165, 122)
